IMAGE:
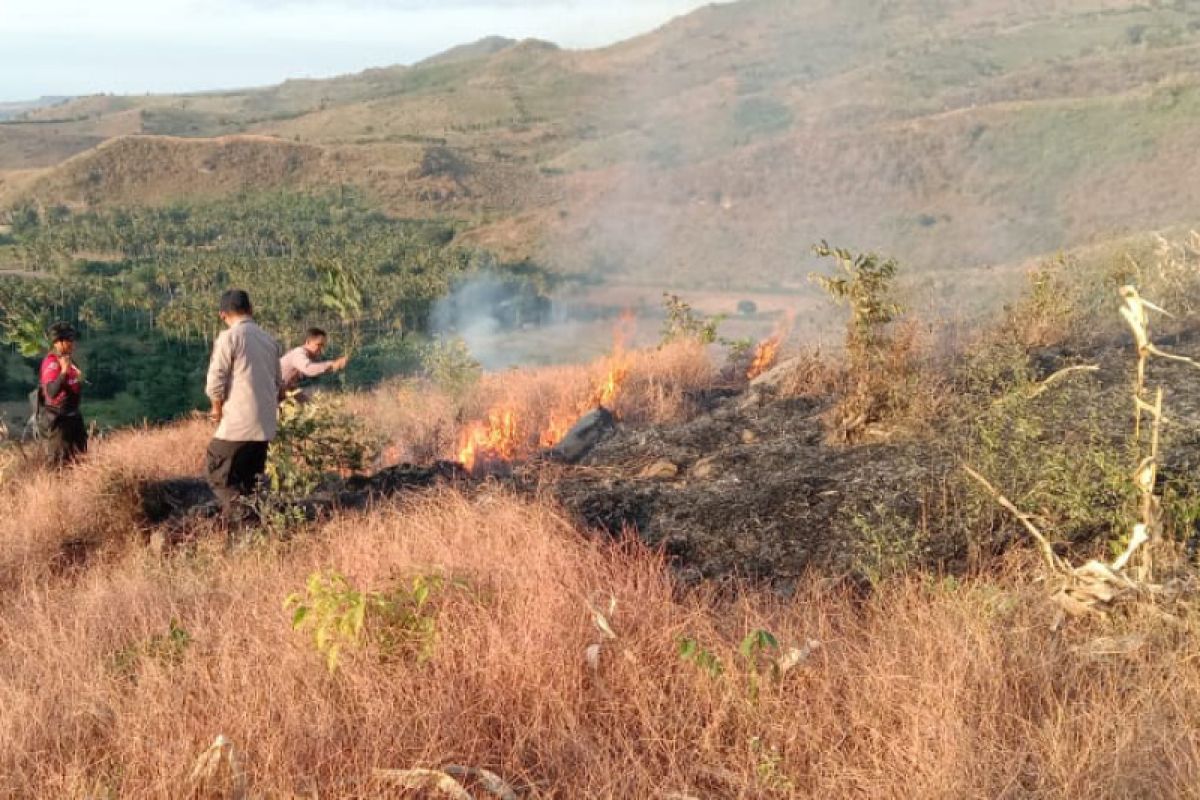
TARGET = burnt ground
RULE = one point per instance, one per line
(173, 503)
(747, 487)
(750, 487)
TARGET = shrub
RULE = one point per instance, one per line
(341, 616)
(881, 375)
(683, 322)
(315, 439)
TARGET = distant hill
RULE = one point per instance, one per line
(14, 109)
(712, 151)
(468, 52)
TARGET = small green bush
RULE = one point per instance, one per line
(315, 439)
(400, 621)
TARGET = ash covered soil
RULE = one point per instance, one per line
(751, 488)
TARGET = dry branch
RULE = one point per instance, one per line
(1052, 560)
(491, 783)
(1038, 390)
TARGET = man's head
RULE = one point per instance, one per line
(235, 305)
(62, 337)
(315, 341)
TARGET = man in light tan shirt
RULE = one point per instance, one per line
(304, 361)
(244, 385)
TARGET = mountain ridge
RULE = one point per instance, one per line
(719, 146)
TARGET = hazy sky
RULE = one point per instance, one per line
(52, 47)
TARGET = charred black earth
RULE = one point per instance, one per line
(750, 488)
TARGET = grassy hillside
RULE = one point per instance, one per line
(716, 149)
(489, 622)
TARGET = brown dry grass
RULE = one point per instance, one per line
(49, 521)
(926, 688)
(923, 690)
(423, 423)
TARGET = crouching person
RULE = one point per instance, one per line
(244, 385)
(305, 362)
(61, 387)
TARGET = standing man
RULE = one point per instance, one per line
(244, 385)
(61, 385)
(303, 362)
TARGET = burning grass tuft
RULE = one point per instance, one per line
(516, 413)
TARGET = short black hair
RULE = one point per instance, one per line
(236, 301)
(315, 333)
(62, 332)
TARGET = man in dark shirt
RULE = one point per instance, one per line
(61, 384)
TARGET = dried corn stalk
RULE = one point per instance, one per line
(1135, 311)
(425, 779)
(1096, 586)
(218, 766)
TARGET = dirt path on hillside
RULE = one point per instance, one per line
(17, 272)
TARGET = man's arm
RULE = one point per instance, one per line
(312, 369)
(220, 367)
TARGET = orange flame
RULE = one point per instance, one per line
(496, 438)
(493, 440)
(767, 350)
(764, 357)
(560, 422)
(606, 393)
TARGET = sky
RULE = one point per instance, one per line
(72, 47)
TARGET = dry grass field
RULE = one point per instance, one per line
(567, 663)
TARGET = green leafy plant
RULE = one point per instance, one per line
(888, 543)
(760, 653)
(25, 330)
(865, 285)
(342, 294)
(691, 651)
(342, 616)
(315, 438)
(1049, 451)
(879, 373)
(756, 643)
(768, 766)
(278, 517)
(683, 322)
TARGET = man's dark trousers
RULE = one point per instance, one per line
(66, 438)
(234, 469)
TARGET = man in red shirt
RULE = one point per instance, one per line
(62, 389)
